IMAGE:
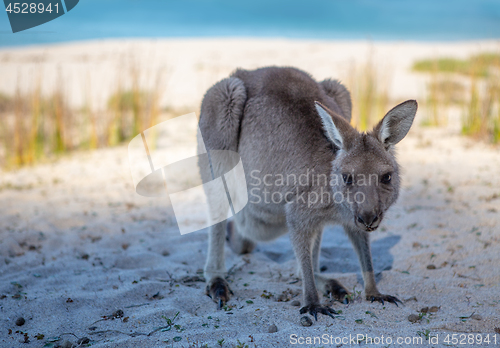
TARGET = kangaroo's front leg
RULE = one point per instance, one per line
(303, 242)
(361, 243)
(326, 285)
(215, 268)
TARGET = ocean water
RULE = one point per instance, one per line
(423, 20)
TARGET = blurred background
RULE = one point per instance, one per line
(317, 19)
(108, 69)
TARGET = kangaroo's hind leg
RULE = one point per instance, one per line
(215, 269)
(221, 112)
(215, 266)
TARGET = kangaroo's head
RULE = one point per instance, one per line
(365, 174)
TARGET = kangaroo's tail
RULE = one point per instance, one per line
(221, 114)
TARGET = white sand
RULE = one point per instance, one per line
(75, 229)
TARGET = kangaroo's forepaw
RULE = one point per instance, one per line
(336, 291)
(218, 290)
(382, 298)
(314, 309)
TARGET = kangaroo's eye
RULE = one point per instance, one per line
(347, 179)
(386, 178)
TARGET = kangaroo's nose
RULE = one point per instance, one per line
(367, 218)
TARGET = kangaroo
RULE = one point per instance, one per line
(285, 125)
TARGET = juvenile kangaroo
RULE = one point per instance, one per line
(287, 127)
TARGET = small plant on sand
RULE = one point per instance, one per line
(425, 334)
(170, 321)
(241, 345)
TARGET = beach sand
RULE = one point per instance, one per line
(77, 243)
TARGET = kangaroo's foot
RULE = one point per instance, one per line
(377, 296)
(315, 308)
(239, 244)
(332, 288)
(336, 291)
(218, 290)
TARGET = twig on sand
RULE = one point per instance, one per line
(115, 315)
(236, 267)
(132, 334)
(187, 280)
(169, 326)
(138, 305)
(445, 328)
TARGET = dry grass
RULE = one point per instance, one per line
(34, 128)
(478, 65)
(442, 92)
(370, 98)
(481, 117)
(472, 84)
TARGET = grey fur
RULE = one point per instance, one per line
(342, 97)
(270, 116)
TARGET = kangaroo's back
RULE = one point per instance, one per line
(280, 131)
(288, 93)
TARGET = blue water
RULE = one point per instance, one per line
(313, 19)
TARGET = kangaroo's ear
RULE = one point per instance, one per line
(396, 123)
(337, 130)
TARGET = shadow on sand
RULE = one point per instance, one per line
(337, 254)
